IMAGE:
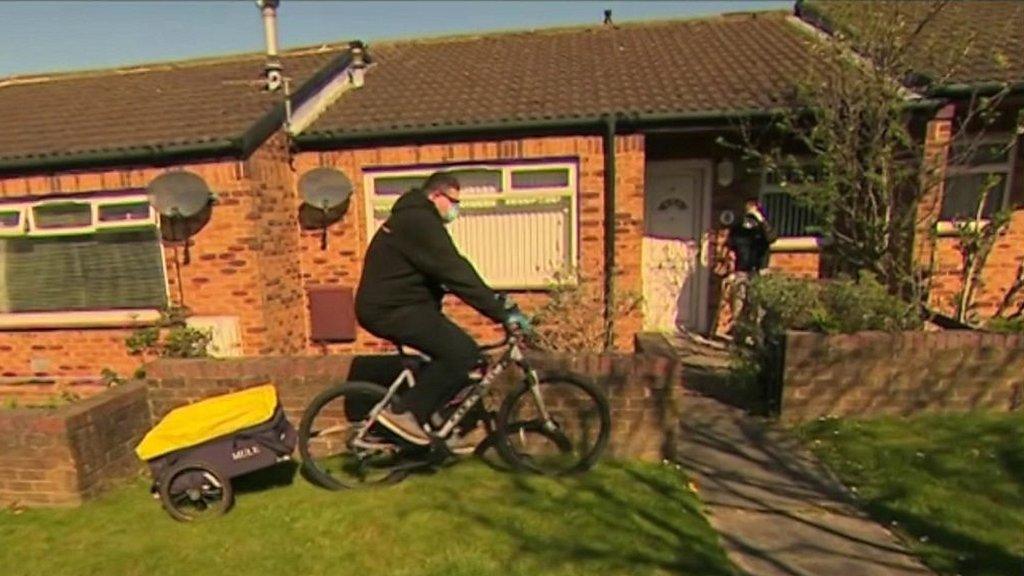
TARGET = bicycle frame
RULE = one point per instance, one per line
(512, 355)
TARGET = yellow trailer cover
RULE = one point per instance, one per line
(207, 419)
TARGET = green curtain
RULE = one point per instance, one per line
(101, 271)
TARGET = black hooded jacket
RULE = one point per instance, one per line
(750, 239)
(412, 261)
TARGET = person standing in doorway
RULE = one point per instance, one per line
(749, 241)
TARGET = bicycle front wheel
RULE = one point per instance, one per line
(331, 457)
(560, 426)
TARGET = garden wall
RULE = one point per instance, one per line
(70, 454)
(642, 389)
(872, 373)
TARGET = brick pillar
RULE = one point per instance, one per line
(936, 155)
(629, 231)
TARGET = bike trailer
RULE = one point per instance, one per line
(195, 451)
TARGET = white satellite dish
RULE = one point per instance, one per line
(324, 189)
(178, 194)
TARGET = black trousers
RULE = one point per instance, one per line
(453, 354)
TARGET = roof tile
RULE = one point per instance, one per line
(713, 64)
(990, 31)
(163, 104)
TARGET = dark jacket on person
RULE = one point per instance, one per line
(412, 261)
(750, 240)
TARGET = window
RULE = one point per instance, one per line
(517, 222)
(12, 220)
(975, 167)
(789, 217)
(96, 253)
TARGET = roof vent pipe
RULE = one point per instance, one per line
(272, 69)
(358, 52)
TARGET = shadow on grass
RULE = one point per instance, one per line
(953, 551)
(629, 517)
(956, 503)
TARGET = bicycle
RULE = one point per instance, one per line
(343, 446)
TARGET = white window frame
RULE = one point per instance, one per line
(95, 203)
(19, 230)
(507, 195)
(947, 227)
(789, 243)
(82, 318)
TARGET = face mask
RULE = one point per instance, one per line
(453, 213)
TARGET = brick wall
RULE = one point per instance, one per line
(874, 373)
(642, 389)
(71, 454)
(341, 264)
(43, 353)
(277, 243)
(243, 259)
(802, 264)
(243, 264)
(222, 278)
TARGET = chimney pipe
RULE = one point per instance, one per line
(272, 69)
(358, 52)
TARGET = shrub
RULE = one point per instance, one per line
(573, 319)
(864, 305)
(170, 338)
(777, 303)
(1007, 325)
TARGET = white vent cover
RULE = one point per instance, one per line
(226, 331)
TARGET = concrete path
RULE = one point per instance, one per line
(778, 511)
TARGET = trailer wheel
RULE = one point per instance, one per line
(195, 491)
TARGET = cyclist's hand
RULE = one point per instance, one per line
(518, 322)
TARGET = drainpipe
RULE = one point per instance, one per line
(609, 229)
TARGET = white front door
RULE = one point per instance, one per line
(676, 215)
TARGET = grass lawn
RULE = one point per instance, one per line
(953, 485)
(465, 520)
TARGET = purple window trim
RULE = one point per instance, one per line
(572, 160)
(88, 196)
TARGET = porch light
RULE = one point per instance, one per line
(724, 172)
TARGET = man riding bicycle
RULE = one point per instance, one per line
(410, 265)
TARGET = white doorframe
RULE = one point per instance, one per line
(702, 278)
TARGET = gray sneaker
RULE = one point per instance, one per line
(461, 445)
(405, 425)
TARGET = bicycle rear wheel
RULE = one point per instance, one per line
(327, 434)
(570, 440)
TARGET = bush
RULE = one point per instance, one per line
(170, 338)
(572, 320)
(1006, 325)
(864, 305)
(777, 303)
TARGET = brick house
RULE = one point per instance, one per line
(587, 147)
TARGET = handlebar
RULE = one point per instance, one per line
(511, 337)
